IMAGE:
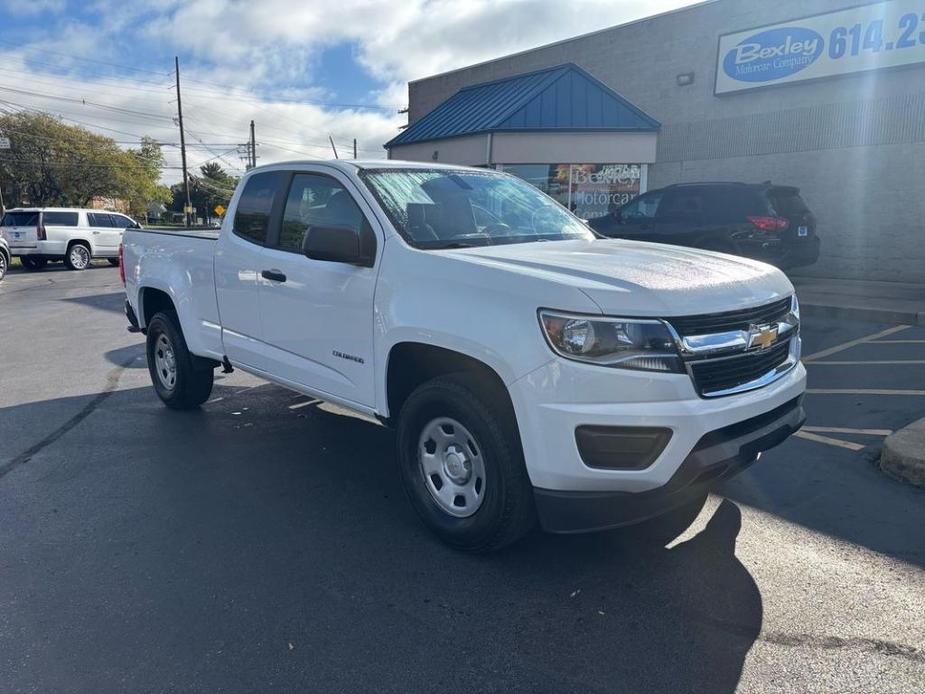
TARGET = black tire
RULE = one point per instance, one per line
(192, 378)
(82, 262)
(4, 264)
(32, 264)
(506, 512)
(113, 261)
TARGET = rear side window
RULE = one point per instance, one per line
(684, 204)
(59, 219)
(120, 222)
(733, 204)
(21, 219)
(787, 202)
(316, 200)
(252, 217)
(98, 219)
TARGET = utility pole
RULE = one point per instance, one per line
(333, 147)
(189, 205)
(354, 148)
(253, 147)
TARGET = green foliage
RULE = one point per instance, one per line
(213, 187)
(54, 164)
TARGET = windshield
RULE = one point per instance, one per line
(446, 208)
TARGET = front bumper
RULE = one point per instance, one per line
(552, 402)
(718, 455)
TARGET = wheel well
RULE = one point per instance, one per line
(74, 242)
(412, 363)
(154, 301)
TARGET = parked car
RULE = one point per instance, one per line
(39, 234)
(531, 369)
(5, 257)
(763, 221)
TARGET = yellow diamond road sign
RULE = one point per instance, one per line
(219, 210)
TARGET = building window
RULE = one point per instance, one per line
(588, 190)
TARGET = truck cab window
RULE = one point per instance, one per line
(316, 200)
(252, 218)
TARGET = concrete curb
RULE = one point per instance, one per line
(903, 454)
(873, 315)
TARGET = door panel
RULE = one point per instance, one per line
(237, 265)
(318, 320)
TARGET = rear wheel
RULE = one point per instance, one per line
(180, 379)
(32, 264)
(462, 465)
(3, 265)
(78, 257)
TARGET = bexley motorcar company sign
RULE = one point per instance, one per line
(886, 34)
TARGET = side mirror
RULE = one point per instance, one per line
(341, 244)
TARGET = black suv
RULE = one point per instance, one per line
(763, 221)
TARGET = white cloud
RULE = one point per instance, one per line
(236, 50)
(29, 7)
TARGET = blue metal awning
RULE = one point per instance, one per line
(560, 98)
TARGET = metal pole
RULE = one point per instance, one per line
(333, 147)
(189, 205)
(253, 147)
(354, 148)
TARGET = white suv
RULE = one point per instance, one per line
(39, 234)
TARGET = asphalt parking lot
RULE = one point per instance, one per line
(264, 544)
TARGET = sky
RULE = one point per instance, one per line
(303, 70)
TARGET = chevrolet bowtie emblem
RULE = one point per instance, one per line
(761, 336)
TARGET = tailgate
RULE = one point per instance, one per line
(20, 229)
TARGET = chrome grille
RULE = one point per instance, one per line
(713, 376)
(722, 352)
(709, 323)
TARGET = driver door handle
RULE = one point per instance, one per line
(273, 275)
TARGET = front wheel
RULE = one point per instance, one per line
(462, 465)
(3, 265)
(178, 377)
(78, 257)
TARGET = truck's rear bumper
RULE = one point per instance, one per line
(718, 455)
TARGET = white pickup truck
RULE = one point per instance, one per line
(532, 370)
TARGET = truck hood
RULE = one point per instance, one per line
(641, 279)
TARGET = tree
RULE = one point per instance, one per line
(214, 187)
(52, 163)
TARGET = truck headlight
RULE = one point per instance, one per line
(626, 343)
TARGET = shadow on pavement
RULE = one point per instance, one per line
(112, 301)
(206, 550)
(130, 357)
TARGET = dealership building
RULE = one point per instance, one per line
(825, 95)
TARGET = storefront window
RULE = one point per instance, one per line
(588, 190)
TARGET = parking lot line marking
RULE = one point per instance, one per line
(848, 430)
(850, 445)
(899, 342)
(851, 343)
(214, 400)
(863, 391)
(864, 363)
(302, 404)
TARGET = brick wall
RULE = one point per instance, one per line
(855, 145)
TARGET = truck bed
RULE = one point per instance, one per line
(202, 233)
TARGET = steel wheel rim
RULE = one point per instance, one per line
(2, 264)
(165, 362)
(451, 463)
(80, 257)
